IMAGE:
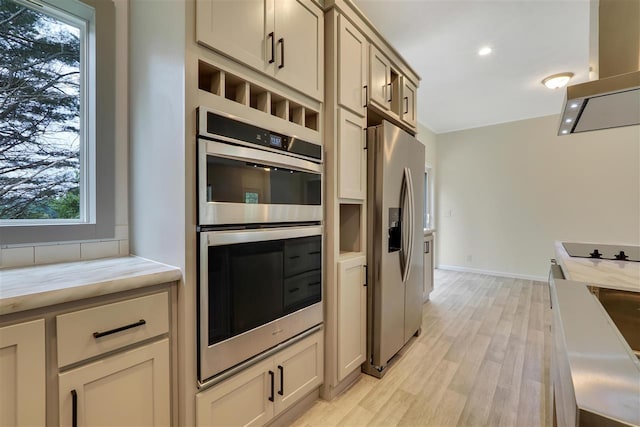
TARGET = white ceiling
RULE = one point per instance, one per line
(531, 39)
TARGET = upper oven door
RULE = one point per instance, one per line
(242, 185)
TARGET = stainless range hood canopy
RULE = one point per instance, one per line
(614, 99)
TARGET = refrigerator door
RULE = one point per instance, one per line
(415, 278)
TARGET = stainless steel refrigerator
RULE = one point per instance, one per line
(394, 242)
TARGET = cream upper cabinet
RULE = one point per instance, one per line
(352, 315)
(257, 394)
(299, 41)
(282, 38)
(128, 389)
(408, 104)
(379, 79)
(22, 374)
(352, 157)
(237, 28)
(352, 67)
(242, 400)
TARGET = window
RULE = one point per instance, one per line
(45, 124)
(427, 221)
(57, 120)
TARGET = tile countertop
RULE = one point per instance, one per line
(32, 287)
(621, 275)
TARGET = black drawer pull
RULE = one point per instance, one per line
(281, 391)
(293, 290)
(74, 408)
(272, 387)
(313, 284)
(120, 329)
(294, 256)
(314, 253)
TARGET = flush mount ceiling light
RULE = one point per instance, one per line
(557, 81)
(484, 51)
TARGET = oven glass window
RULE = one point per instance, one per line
(251, 284)
(237, 181)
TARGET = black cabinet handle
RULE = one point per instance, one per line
(120, 329)
(74, 408)
(273, 48)
(406, 104)
(281, 41)
(390, 92)
(281, 391)
(313, 284)
(366, 275)
(426, 247)
(366, 96)
(294, 257)
(271, 375)
(293, 290)
(314, 252)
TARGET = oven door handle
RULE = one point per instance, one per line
(230, 237)
(262, 156)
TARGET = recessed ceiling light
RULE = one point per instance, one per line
(574, 105)
(484, 51)
(568, 121)
(557, 81)
(564, 132)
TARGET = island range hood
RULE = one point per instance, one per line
(613, 100)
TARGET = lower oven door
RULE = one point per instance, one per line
(242, 185)
(258, 288)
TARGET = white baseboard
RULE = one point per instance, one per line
(492, 273)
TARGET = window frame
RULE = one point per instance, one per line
(97, 152)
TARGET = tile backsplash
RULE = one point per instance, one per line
(24, 255)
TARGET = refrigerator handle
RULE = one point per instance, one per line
(411, 224)
(409, 227)
(403, 226)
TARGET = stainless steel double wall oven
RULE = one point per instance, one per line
(260, 234)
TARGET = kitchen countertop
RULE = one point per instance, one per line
(603, 373)
(38, 286)
(621, 275)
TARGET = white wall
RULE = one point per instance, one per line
(506, 192)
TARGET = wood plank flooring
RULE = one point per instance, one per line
(482, 360)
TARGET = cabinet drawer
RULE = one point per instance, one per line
(87, 333)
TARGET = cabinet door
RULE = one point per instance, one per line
(299, 369)
(408, 105)
(352, 157)
(239, 29)
(352, 67)
(242, 400)
(352, 316)
(22, 374)
(128, 389)
(299, 61)
(379, 79)
(428, 268)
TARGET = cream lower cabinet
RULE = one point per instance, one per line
(352, 315)
(259, 393)
(428, 267)
(22, 374)
(128, 389)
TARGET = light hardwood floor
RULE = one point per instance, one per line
(482, 360)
